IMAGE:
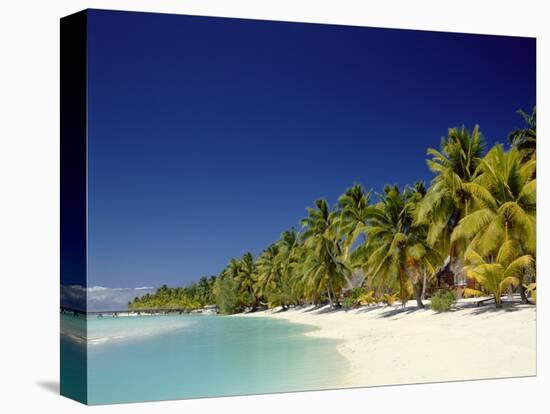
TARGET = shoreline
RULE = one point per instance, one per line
(387, 345)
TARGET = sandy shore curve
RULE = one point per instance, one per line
(391, 345)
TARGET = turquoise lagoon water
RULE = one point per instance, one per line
(188, 356)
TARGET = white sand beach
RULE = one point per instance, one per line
(392, 345)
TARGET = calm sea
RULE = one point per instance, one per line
(187, 356)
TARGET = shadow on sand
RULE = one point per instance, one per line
(366, 309)
(401, 311)
(491, 309)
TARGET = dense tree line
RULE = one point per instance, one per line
(478, 215)
(194, 296)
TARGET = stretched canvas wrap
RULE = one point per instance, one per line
(258, 207)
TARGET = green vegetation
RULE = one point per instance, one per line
(389, 298)
(495, 275)
(194, 296)
(354, 298)
(478, 215)
(531, 289)
(443, 300)
(225, 294)
(398, 252)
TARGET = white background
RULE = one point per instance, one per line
(29, 206)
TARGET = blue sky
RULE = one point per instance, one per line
(208, 137)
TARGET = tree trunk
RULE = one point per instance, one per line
(254, 302)
(418, 295)
(403, 292)
(329, 297)
(498, 302)
(423, 296)
(522, 293)
(348, 281)
(334, 303)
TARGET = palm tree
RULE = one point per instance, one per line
(508, 208)
(233, 269)
(246, 278)
(324, 268)
(224, 290)
(203, 291)
(287, 260)
(449, 197)
(353, 210)
(496, 275)
(525, 139)
(397, 247)
(302, 290)
(269, 280)
(415, 195)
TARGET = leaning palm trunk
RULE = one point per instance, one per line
(423, 295)
(417, 287)
(418, 295)
(329, 297)
(402, 288)
(345, 258)
(413, 275)
(332, 296)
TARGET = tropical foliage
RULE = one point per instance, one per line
(190, 297)
(443, 300)
(497, 274)
(450, 197)
(476, 219)
(525, 138)
(397, 252)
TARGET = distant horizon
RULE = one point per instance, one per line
(209, 137)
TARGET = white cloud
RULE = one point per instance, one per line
(101, 297)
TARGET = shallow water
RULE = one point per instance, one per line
(187, 356)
